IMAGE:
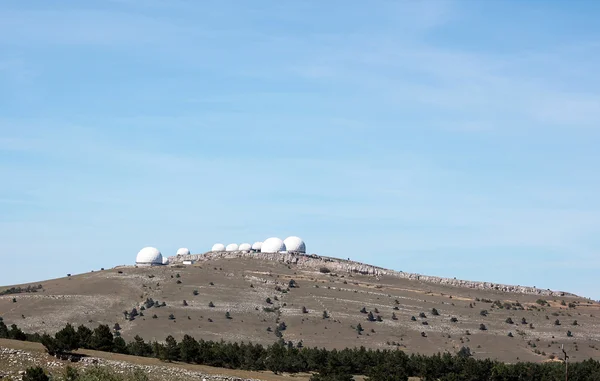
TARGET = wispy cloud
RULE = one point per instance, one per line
(225, 121)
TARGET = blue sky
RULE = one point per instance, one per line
(457, 139)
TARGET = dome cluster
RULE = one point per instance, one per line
(291, 244)
(151, 256)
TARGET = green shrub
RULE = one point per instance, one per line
(35, 374)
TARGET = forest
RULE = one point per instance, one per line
(326, 365)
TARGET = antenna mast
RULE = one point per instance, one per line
(562, 347)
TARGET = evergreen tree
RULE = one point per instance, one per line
(359, 329)
(3, 330)
(102, 339)
(275, 359)
(189, 349)
(119, 345)
(370, 316)
(50, 344)
(67, 338)
(171, 349)
(15, 333)
(138, 347)
(84, 336)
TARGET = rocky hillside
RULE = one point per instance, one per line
(321, 301)
(315, 262)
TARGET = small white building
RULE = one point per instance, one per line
(189, 262)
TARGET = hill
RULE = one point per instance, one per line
(448, 314)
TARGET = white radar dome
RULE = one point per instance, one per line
(165, 261)
(183, 251)
(232, 247)
(245, 247)
(218, 247)
(256, 246)
(272, 245)
(149, 256)
(295, 244)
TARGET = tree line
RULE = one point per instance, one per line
(328, 365)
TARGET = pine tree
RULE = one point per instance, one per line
(67, 338)
(171, 349)
(3, 330)
(189, 349)
(102, 339)
(84, 336)
(119, 345)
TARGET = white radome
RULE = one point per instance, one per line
(245, 247)
(165, 261)
(295, 244)
(256, 246)
(218, 247)
(183, 251)
(272, 245)
(232, 247)
(149, 256)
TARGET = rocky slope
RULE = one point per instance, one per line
(316, 262)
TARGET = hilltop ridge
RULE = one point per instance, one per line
(338, 265)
